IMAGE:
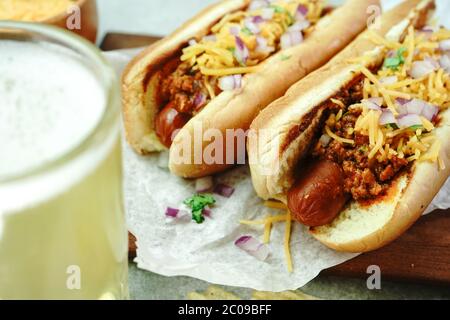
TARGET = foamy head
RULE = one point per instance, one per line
(49, 103)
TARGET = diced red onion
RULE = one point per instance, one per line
(444, 61)
(172, 212)
(262, 45)
(415, 106)
(300, 25)
(229, 83)
(402, 101)
(192, 42)
(373, 103)
(199, 100)
(389, 80)
(302, 12)
(433, 62)
(241, 53)
(401, 105)
(204, 184)
(291, 39)
(210, 38)
(238, 80)
(444, 45)
(258, 4)
(176, 215)
(387, 117)
(430, 29)
(253, 247)
(422, 68)
(421, 108)
(251, 24)
(427, 31)
(430, 111)
(409, 120)
(401, 109)
(325, 140)
(207, 212)
(235, 30)
(391, 53)
(224, 190)
(257, 19)
(267, 13)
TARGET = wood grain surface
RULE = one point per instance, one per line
(420, 255)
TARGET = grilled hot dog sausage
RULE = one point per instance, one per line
(167, 122)
(318, 195)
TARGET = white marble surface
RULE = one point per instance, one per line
(158, 17)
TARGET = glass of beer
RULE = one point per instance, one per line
(62, 226)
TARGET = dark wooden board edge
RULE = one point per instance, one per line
(420, 255)
(116, 41)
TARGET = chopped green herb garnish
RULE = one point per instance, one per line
(278, 9)
(247, 31)
(416, 127)
(198, 203)
(363, 149)
(285, 57)
(392, 126)
(395, 62)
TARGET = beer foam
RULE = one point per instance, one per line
(49, 102)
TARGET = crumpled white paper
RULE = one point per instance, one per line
(207, 251)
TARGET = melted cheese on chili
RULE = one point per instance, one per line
(32, 10)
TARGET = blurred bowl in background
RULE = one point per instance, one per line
(61, 13)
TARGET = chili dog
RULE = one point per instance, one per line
(224, 66)
(362, 143)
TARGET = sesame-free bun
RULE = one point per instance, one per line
(358, 228)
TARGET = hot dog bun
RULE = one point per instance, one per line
(237, 109)
(139, 105)
(358, 228)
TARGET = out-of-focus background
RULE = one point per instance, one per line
(159, 18)
(155, 17)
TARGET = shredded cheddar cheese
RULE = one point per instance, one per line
(431, 88)
(267, 230)
(227, 72)
(287, 243)
(268, 224)
(273, 219)
(215, 55)
(337, 138)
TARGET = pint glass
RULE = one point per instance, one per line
(62, 225)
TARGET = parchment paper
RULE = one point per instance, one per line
(207, 251)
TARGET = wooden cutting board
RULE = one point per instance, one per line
(420, 255)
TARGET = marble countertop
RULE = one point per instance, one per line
(160, 17)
